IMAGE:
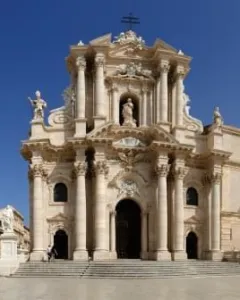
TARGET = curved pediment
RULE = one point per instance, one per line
(135, 136)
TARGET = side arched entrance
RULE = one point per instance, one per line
(192, 245)
(128, 229)
(61, 244)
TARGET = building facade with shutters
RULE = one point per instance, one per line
(123, 170)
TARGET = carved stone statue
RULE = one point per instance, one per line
(217, 117)
(7, 219)
(127, 113)
(133, 70)
(39, 105)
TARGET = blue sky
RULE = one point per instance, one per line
(35, 37)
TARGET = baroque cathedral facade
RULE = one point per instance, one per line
(123, 170)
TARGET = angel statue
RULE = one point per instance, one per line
(127, 113)
(39, 105)
(7, 219)
(217, 117)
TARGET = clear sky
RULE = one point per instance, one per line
(35, 37)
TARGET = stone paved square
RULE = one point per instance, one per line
(215, 288)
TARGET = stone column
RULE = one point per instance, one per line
(179, 95)
(113, 234)
(38, 246)
(99, 84)
(144, 106)
(164, 68)
(179, 252)
(144, 235)
(157, 100)
(80, 252)
(115, 105)
(100, 251)
(215, 215)
(81, 65)
(162, 252)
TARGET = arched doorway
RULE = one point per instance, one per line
(61, 244)
(192, 245)
(128, 229)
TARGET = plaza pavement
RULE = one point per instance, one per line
(214, 288)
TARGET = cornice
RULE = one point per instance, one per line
(230, 214)
(231, 130)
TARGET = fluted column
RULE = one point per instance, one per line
(164, 68)
(144, 106)
(100, 251)
(113, 231)
(157, 100)
(99, 84)
(215, 215)
(81, 93)
(162, 252)
(115, 105)
(179, 252)
(144, 235)
(80, 252)
(37, 203)
(179, 95)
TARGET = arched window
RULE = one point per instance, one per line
(192, 196)
(60, 193)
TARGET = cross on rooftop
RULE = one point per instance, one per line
(130, 20)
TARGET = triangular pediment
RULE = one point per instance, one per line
(127, 51)
(57, 218)
(104, 40)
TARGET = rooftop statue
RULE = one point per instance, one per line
(217, 117)
(7, 218)
(127, 113)
(39, 104)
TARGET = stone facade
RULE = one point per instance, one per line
(149, 182)
(21, 231)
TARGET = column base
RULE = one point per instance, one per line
(179, 255)
(144, 255)
(100, 255)
(80, 255)
(164, 125)
(37, 255)
(179, 132)
(113, 255)
(215, 255)
(99, 121)
(80, 127)
(162, 255)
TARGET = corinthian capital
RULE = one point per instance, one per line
(216, 177)
(80, 168)
(99, 60)
(36, 170)
(162, 169)
(81, 62)
(101, 167)
(180, 172)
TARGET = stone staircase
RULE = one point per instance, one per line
(122, 269)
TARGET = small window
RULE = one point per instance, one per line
(192, 196)
(60, 193)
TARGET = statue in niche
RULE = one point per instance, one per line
(217, 117)
(127, 113)
(39, 105)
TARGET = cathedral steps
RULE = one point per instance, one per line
(127, 269)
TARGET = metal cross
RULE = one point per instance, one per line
(130, 20)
